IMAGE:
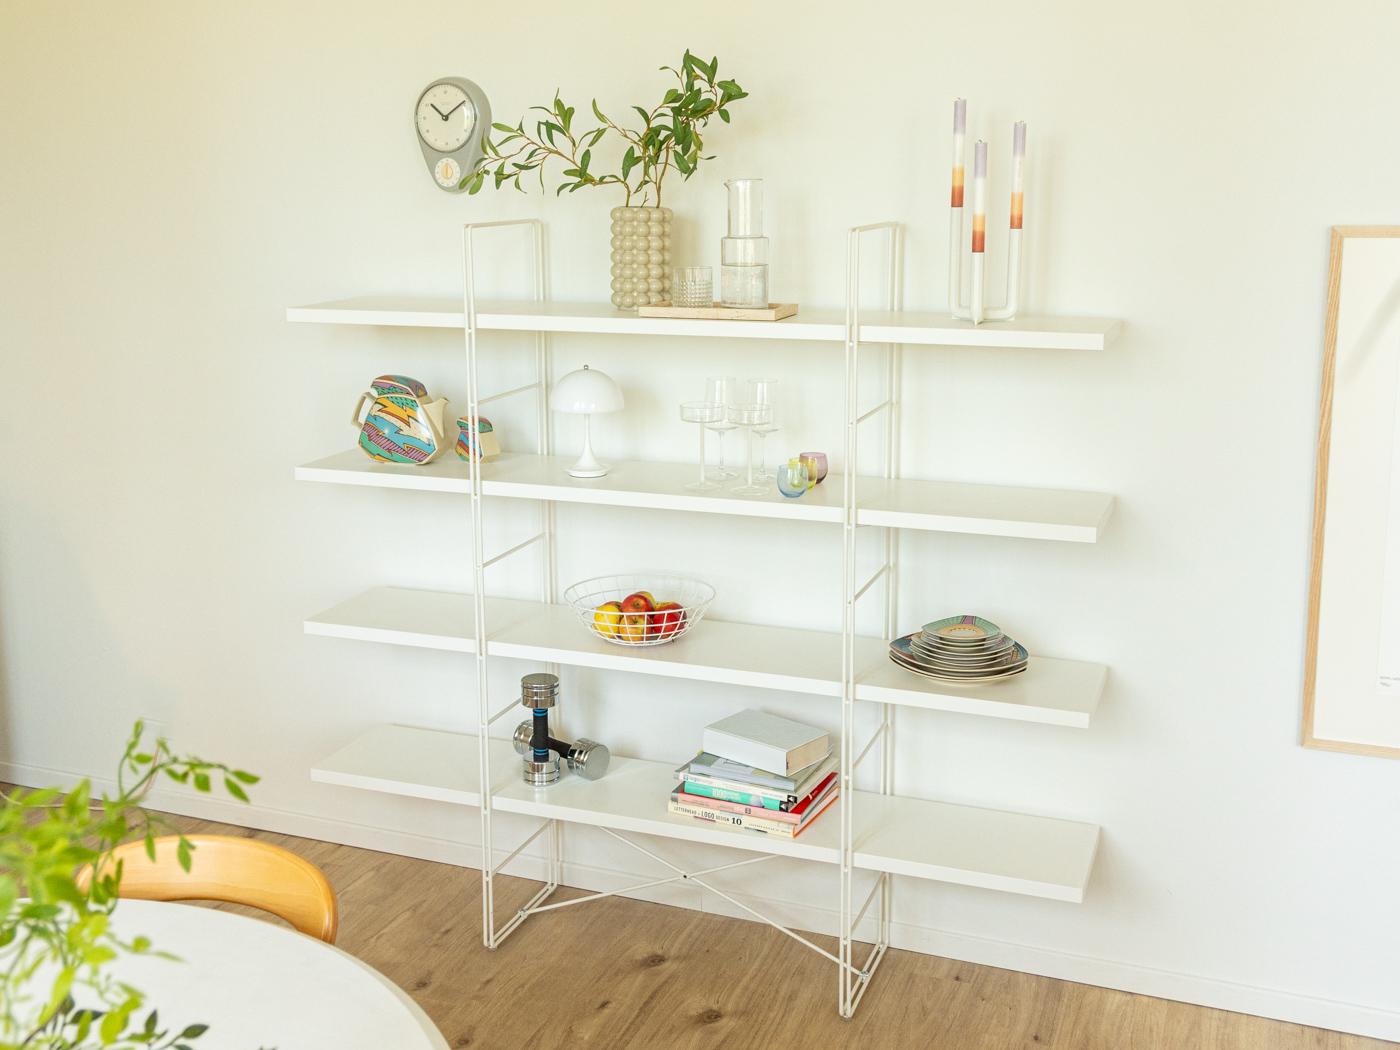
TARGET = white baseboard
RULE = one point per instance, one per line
(1355, 1018)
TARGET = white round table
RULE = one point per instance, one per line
(262, 985)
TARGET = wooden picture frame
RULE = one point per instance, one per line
(1351, 682)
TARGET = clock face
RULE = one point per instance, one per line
(445, 118)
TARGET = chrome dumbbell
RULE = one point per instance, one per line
(539, 692)
(588, 758)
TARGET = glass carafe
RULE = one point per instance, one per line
(743, 255)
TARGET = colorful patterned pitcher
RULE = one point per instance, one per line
(403, 425)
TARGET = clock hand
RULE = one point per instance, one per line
(439, 112)
(453, 110)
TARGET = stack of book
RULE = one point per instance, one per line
(758, 772)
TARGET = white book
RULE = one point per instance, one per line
(769, 742)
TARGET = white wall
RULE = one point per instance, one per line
(174, 176)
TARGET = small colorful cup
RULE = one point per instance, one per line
(486, 444)
(816, 466)
(793, 478)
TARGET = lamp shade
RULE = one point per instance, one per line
(586, 391)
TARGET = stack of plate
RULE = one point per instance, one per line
(960, 649)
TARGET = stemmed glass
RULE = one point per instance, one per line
(704, 413)
(750, 416)
(764, 392)
(719, 390)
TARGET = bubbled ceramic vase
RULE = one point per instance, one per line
(641, 256)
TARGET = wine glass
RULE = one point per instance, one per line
(704, 413)
(764, 392)
(719, 390)
(749, 416)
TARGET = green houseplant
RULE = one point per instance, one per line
(667, 137)
(52, 924)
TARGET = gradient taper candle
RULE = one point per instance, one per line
(955, 221)
(1018, 173)
(979, 228)
(1018, 218)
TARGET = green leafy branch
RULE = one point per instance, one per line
(669, 137)
(51, 922)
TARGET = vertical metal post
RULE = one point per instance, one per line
(893, 370)
(489, 933)
(550, 575)
(483, 705)
(852, 982)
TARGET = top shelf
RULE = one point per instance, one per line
(821, 326)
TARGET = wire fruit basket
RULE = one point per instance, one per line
(638, 609)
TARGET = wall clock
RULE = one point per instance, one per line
(451, 117)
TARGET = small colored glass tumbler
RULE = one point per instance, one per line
(816, 467)
(793, 479)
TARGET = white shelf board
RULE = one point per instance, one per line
(418, 763)
(1013, 852)
(808, 325)
(935, 506)
(1052, 692)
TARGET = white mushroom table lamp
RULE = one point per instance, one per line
(584, 393)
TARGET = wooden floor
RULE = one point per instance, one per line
(620, 973)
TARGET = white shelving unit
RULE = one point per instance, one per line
(867, 833)
(809, 326)
(1055, 692)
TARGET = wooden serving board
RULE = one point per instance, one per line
(771, 312)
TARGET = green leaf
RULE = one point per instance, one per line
(231, 786)
(111, 1026)
(140, 944)
(201, 782)
(724, 115)
(194, 1031)
(682, 165)
(182, 853)
(506, 128)
(244, 776)
(62, 888)
(151, 845)
(583, 161)
(598, 112)
(646, 117)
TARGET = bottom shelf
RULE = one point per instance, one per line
(992, 849)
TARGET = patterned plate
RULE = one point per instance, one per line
(956, 681)
(963, 630)
(901, 652)
(921, 644)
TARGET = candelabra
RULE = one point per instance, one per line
(976, 310)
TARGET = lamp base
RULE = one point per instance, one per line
(588, 471)
(588, 465)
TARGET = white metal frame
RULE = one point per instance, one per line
(491, 936)
(852, 980)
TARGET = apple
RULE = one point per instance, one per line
(668, 620)
(607, 619)
(636, 610)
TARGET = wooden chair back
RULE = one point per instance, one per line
(234, 870)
